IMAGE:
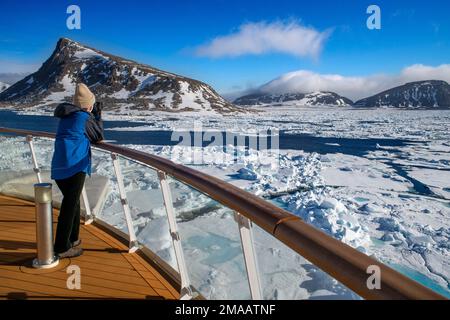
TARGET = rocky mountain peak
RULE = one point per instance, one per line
(427, 94)
(319, 98)
(3, 86)
(122, 84)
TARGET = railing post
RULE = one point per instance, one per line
(44, 227)
(186, 291)
(33, 157)
(88, 218)
(246, 234)
(133, 246)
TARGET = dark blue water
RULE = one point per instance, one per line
(46, 123)
(418, 186)
(421, 278)
(305, 142)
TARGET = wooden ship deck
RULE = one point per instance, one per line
(108, 271)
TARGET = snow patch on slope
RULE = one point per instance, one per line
(3, 86)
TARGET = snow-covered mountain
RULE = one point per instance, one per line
(418, 95)
(3, 86)
(300, 99)
(120, 83)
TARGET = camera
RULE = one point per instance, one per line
(97, 109)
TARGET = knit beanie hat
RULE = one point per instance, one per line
(83, 97)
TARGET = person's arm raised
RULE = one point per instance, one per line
(94, 124)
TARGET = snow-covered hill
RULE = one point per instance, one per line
(418, 95)
(3, 86)
(120, 83)
(300, 99)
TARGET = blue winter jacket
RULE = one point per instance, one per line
(76, 130)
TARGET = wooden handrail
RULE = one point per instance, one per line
(344, 263)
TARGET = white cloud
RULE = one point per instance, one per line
(261, 37)
(353, 87)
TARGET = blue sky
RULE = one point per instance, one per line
(168, 34)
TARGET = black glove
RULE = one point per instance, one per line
(97, 110)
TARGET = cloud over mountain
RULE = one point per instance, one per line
(354, 87)
(258, 38)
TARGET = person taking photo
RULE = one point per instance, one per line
(80, 124)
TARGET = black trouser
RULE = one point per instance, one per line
(68, 228)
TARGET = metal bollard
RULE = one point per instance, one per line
(44, 227)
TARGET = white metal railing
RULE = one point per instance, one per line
(248, 248)
(133, 246)
(89, 217)
(36, 168)
(186, 293)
